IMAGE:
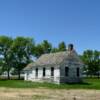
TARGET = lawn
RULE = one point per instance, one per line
(89, 83)
(23, 90)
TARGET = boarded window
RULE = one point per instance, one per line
(43, 71)
(52, 71)
(78, 72)
(36, 72)
(66, 71)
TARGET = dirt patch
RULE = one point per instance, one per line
(48, 94)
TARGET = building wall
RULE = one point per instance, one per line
(30, 75)
(59, 74)
(72, 73)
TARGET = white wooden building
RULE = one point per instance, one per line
(60, 67)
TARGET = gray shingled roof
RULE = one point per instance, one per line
(55, 58)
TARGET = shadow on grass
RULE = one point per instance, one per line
(78, 83)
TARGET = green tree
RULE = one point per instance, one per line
(23, 50)
(47, 47)
(62, 46)
(5, 53)
(38, 50)
(96, 61)
(54, 50)
(96, 55)
(43, 48)
(92, 61)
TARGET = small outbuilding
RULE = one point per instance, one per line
(60, 67)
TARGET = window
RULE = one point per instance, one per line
(36, 72)
(66, 71)
(78, 70)
(27, 74)
(43, 71)
(52, 71)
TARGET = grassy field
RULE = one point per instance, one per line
(22, 90)
(89, 83)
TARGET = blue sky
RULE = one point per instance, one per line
(72, 21)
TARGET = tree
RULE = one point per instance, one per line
(38, 51)
(54, 50)
(47, 47)
(43, 48)
(92, 61)
(87, 59)
(23, 49)
(1, 65)
(5, 53)
(96, 60)
(87, 56)
(62, 46)
(96, 55)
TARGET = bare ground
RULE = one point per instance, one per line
(48, 94)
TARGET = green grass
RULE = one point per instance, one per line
(89, 83)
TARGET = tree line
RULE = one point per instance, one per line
(16, 53)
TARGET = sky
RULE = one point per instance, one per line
(71, 21)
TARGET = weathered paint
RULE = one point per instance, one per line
(59, 74)
(31, 75)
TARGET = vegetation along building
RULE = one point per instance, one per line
(60, 67)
